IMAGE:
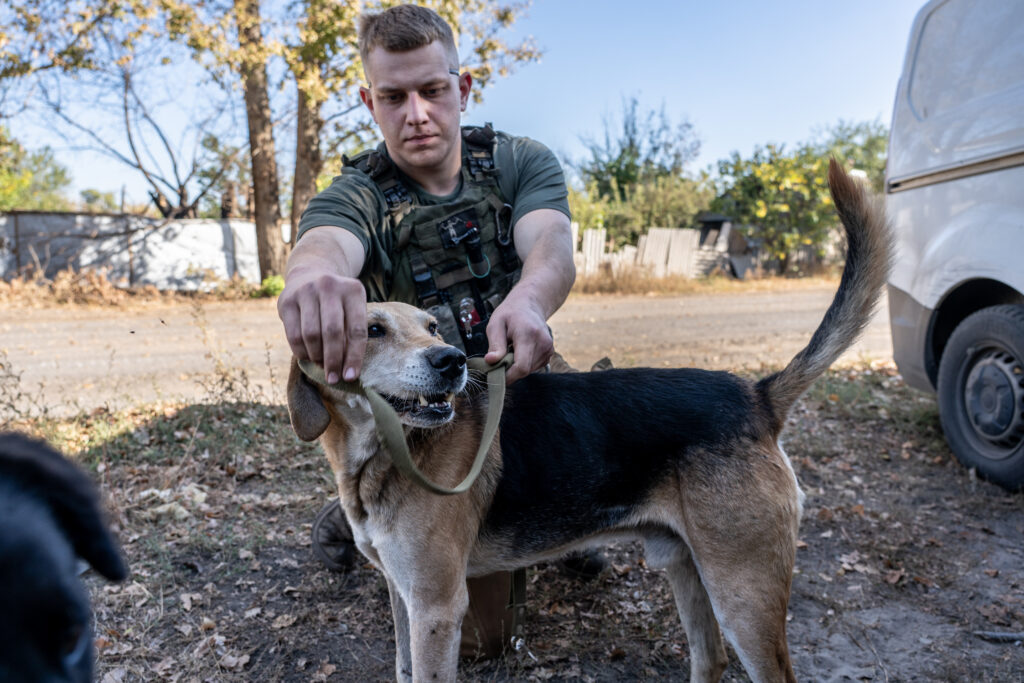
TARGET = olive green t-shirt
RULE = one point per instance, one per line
(530, 178)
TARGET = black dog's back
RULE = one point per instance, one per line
(583, 448)
(49, 514)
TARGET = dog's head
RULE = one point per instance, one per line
(407, 362)
(49, 516)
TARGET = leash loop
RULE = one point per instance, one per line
(392, 432)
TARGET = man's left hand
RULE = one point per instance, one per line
(515, 321)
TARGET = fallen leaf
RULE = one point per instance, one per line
(232, 663)
(893, 577)
(187, 598)
(284, 621)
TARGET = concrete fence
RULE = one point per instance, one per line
(179, 254)
(692, 252)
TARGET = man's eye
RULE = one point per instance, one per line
(375, 331)
(393, 99)
(432, 329)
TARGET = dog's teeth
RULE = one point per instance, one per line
(423, 400)
(449, 397)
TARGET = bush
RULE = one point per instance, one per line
(271, 286)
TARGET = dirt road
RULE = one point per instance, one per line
(77, 358)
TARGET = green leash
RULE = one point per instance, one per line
(392, 433)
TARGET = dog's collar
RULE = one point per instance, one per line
(392, 434)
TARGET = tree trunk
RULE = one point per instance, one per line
(270, 247)
(308, 160)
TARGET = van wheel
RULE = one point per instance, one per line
(981, 394)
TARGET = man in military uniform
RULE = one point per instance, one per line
(467, 223)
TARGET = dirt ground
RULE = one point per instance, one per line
(79, 358)
(904, 555)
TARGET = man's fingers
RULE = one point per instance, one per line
(497, 340)
(309, 325)
(293, 330)
(355, 333)
(332, 327)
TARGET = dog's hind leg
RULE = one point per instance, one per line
(708, 658)
(744, 545)
(403, 652)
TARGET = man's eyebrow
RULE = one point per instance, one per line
(432, 83)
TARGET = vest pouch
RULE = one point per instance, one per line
(477, 344)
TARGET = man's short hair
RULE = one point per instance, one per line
(404, 28)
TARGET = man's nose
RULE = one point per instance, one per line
(417, 112)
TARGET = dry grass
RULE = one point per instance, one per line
(94, 288)
(641, 281)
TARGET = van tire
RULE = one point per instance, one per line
(981, 394)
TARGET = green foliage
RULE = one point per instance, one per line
(782, 197)
(863, 146)
(43, 35)
(101, 202)
(636, 177)
(271, 286)
(646, 147)
(30, 180)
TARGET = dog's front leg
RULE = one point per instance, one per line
(403, 652)
(437, 605)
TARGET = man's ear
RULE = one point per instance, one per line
(465, 87)
(367, 97)
(305, 408)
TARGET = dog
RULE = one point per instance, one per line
(688, 460)
(49, 516)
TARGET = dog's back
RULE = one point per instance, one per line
(49, 515)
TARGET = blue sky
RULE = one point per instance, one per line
(742, 72)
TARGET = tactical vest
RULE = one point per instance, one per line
(457, 259)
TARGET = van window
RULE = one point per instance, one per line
(967, 51)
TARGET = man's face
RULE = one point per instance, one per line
(417, 102)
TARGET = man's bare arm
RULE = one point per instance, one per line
(323, 305)
(543, 240)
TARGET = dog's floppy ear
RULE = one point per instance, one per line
(70, 495)
(305, 408)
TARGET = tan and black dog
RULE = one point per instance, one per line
(687, 460)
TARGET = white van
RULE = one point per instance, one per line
(955, 194)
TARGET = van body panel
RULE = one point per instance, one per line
(955, 196)
(955, 172)
(959, 230)
(961, 96)
(909, 320)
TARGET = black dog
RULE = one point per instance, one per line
(49, 515)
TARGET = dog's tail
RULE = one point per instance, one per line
(869, 246)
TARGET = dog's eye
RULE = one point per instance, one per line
(432, 329)
(375, 331)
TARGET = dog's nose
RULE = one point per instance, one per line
(447, 360)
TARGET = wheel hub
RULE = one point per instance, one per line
(994, 397)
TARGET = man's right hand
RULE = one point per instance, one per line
(324, 311)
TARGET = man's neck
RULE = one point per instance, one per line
(440, 180)
(439, 183)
